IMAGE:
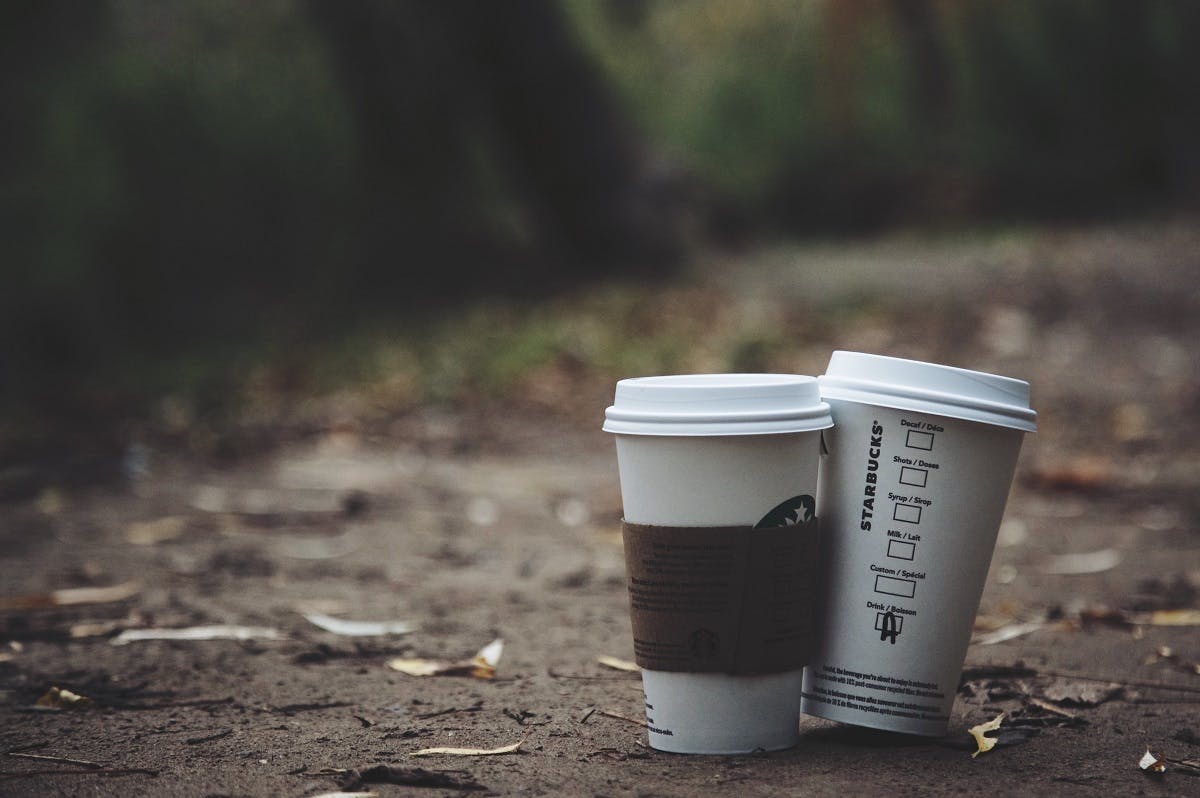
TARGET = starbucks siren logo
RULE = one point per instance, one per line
(793, 512)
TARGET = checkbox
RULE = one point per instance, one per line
(902, 550)
(891, 586)
(908, 513)
(917, 477)
(919, 440)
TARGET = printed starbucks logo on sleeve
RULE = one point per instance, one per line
(796, 510)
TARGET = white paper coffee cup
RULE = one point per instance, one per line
(912, 490)
(718, 451)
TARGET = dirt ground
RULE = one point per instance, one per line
(503, 522)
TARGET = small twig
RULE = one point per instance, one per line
(58, 760)
(1189, 767)
(289, 708)
(101, 771)
(323, 773)
(553, 674)
(1182, 688)
(620, 756)
(618, 716)
(1047, 706)
(199, 702)
(1160, 701)
(584, 717)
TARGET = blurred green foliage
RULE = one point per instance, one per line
(183, 191)
(180, 172)
(849, 114)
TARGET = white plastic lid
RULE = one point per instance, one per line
(929, 388)
(717, 404)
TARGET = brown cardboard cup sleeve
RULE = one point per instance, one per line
(732, 600)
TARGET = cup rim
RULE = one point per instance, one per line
(702, 405)
(933, 388)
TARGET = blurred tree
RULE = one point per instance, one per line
(179, 176)
(488, 140)
(842, 115)
(1178, 65)
(43, 43)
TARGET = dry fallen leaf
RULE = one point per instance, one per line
(1051, 708)
(421, 667)
(217, 632)
(1188, 617)
(1083, 473)
(159, 530)
(71, 596)
(618, 664)
(340, 626)
(1131, 422)
(1152, 763)
(985, 744)
(62, 698)
(15, 648)
(1175, 617)
(94, 628)
(610, 536)
(481, 666)
(1165, 653)
(489, 655)
(1189, 766)
(1092, 562)
(507, 749)
(1013, 630)
(608, 713)
(991, 622)
(1079, 693)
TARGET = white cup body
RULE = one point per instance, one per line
(717, 481)
(910, 504)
